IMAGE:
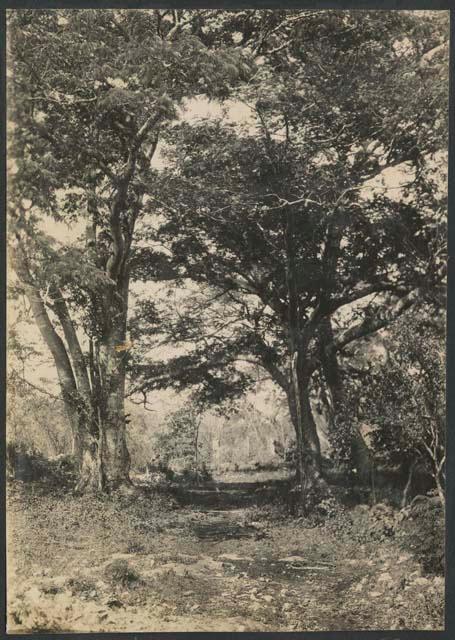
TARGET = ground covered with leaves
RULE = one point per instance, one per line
(148, 563)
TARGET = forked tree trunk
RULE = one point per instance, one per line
(95, 405)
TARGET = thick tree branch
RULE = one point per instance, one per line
(50, 336)
(384, 316)
(77, 357)
(364, 292)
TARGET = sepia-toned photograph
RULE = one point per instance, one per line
(226, 349)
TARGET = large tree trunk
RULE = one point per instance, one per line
(111, 355)
(308, 464)
(102, 452)
(113, 448)
(103, 455)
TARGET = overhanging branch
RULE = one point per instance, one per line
(383, 318)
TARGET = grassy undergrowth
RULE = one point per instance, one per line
(117, 563)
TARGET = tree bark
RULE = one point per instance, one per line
(83, 443)
(111, 371)
(308, 464)
(53, 341)
(86, 444)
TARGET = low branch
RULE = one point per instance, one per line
(383, 318)
(380, 287)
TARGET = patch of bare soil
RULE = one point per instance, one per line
(79, 564)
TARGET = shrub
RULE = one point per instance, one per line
(287, 452)
(196, 475)
(32, 619)
(328, 507)
(382, 520)
(81, 585)
(23, 462)
(119, 572)
(274, 511)
(133, 546)
(422, 532)
(28, 464)
(179, 445)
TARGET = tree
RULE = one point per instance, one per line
(403, 397)
(90, 93)
(181, 441)
(272, 220)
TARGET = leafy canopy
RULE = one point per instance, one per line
(351, 99)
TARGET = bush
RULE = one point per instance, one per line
(274, 511)
(419, 529)
(178, 445)
(22, 462)
(287, 452)
(81, 586)
(382, 521)
(119, 572)
(328, 507)
(133, 546)
(197, 475)
(28, 464)
(422, 532)
(32, 619)
(366, 524)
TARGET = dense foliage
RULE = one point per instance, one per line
(287, 223)
(282, 235)
(179, 444)
(399, 399)
(90, 94)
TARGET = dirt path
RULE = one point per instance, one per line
(213, 567)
